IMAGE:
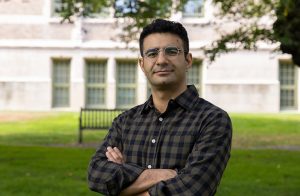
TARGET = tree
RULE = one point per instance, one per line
(284, 28)
(135, 13)
(287, 28)
(248, 15)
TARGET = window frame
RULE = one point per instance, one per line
(292, 87)
(132, 86)
(55, 85)
(87, 85)
(199, 85)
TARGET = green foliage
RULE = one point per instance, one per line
(241, 9)
(245, 37)
(81, 8)
(248, 13)
(287, 28)
(250, 31)
(136, 14)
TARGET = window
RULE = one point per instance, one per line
(61, 82)
(58, 6)
(288, 87)
(62, 6)
(194, 75)
(125, 7)
(193, 8)
(126, 83)
(95, 83)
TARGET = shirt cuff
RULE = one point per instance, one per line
(131, 171)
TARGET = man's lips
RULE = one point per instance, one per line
(162, 71)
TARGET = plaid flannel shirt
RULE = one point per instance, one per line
(192, 136)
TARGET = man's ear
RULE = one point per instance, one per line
(141, 63)
(189, 60)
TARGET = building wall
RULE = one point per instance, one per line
(26, 79)
(242, 81)
(21, 7)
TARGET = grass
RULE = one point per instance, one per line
(32, 170)
(262, 172)
(249, 130)
(32, 164)
(45, 171)
(265, 130)
(45, 129)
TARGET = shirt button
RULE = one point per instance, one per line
(149, 166)
(160, 119)
(153, 141)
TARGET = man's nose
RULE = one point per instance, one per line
(161, 58)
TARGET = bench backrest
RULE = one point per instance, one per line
(97, 118)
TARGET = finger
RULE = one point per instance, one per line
(118, 152)
(113, 156)
(110, 157)
(109, 154)
(113, 153)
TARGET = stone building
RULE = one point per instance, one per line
(46, 65)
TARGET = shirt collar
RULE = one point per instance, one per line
(188, 97)
(185, 99)
(147, 105)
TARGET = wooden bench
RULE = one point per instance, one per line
(96, 119)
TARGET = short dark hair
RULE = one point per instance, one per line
(165, 26)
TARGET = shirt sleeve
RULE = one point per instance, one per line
(205, 164)
(107, 177)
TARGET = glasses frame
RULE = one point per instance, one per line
(158, 50)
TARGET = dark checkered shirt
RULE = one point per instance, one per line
(192, 137)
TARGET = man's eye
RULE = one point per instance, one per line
(151, 53)
(171, 51)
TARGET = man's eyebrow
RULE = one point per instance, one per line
(152, 49)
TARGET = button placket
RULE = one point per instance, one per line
(154, 141)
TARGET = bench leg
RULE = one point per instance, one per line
(80, 136)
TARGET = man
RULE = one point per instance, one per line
(175, 143)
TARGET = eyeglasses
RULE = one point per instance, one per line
(168, 51)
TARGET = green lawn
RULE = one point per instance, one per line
(45, 129)
(262, 172)
(249, 130)
(31, 163)
(265, 130)
(37, 171)
(44, 171)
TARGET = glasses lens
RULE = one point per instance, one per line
(171, 51)
(152, 53)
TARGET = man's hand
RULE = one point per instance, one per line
(114, 155)
(147, 179)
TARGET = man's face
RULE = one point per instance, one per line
(165, 69)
